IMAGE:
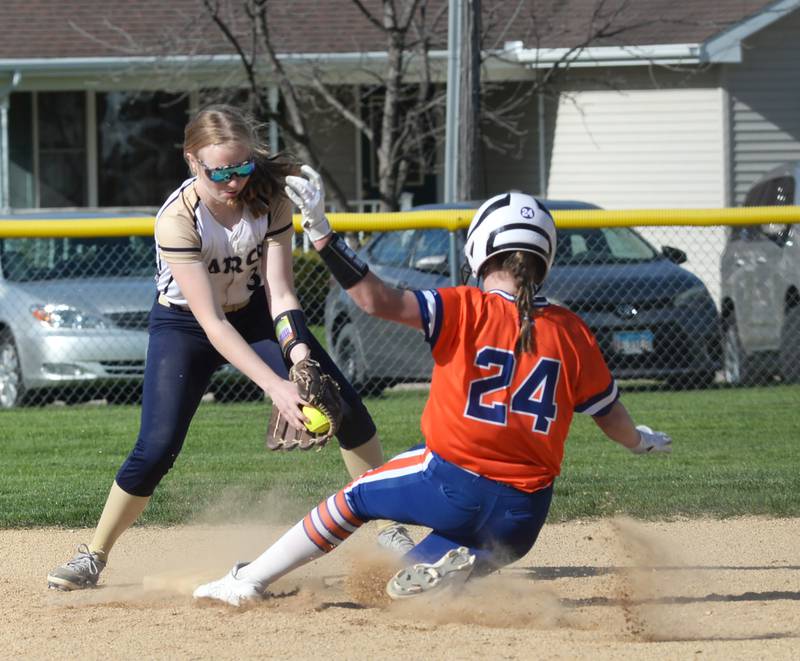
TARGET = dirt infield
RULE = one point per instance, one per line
(595, 590)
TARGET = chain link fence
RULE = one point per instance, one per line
(672, 307)
(73, 322)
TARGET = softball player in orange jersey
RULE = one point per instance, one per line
(510, 369)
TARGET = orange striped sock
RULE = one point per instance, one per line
(320, 531)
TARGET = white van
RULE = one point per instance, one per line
(760, 283)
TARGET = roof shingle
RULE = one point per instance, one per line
(120, 28)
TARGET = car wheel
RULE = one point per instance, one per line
(790, 346)
(12, 390)
(735, 363)
(348, 358)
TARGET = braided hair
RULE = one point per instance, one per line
(527, 269)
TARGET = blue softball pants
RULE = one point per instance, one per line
(497, 522)
(180, 363)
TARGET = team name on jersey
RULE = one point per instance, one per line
(233, 264)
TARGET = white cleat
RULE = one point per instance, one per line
(453, 569)
(230, 589)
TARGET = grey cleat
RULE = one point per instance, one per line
(79, 573)
(453, 569)
(395, 538)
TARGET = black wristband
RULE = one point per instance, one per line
(291, 330)
(343, 263)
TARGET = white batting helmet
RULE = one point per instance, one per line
(511, 221)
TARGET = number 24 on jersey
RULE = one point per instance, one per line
(534, 397)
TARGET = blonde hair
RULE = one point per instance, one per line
(221, 124)
(527, 269)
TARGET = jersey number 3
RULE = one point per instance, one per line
(536, 396)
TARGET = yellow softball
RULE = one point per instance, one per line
(318, 422)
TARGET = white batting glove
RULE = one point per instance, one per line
(652, 441)
(309, 196)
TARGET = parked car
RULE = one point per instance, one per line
(760, 283)
(73, 321)
(73, 317)
(653, 319)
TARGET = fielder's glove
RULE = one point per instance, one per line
(321, 392)
(309, 196)
(652, 441)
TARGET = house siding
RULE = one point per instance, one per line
(639, 149)
(764, 104)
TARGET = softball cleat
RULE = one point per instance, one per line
(79, 573)
(452, 570)
(229, 589)
(395, 538)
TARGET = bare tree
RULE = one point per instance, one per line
(290, 117)
(400, 123)
(608, 22)
(400, 114)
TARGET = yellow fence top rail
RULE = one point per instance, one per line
(77, 227)
(450, 219)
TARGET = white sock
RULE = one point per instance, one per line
(322, 530)
(292, 550)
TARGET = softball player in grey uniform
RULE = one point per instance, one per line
(224, 277)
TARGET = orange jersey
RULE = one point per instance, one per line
(503, 416)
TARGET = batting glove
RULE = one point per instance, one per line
(309, 196)
(652, 441)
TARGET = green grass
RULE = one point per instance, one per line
(735, 453)
(318, 331)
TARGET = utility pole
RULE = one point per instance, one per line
(452, 114)
(469, 134)
(452, 117)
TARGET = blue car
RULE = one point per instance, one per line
(653, 319)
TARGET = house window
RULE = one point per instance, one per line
(138, 158)
(21, 178)
(61, 130)
(139, 138)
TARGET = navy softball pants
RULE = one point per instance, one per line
(180, 363)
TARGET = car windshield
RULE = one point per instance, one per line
(576, 247)
(607, 245)
(61, 258)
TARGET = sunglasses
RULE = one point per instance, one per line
(228, 172)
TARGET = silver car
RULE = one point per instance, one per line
(760, 278)
(73, 318)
